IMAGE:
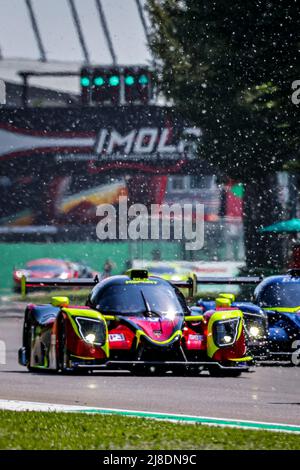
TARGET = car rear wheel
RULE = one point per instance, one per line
(27, 340)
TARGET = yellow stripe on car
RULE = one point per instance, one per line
(284, 309)
(241, 359)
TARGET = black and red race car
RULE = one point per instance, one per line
(135, 322)
(50, 268)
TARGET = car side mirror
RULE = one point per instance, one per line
(60, 301)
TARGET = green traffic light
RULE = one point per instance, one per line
(129, 80)
(143, 80)
(85, 81)
(114, 80)
(99, 81)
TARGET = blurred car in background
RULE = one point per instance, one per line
(50, 268)
(168, 270)
(82, 270)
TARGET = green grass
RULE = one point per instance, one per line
(34, 430)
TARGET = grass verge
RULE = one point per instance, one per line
(35, 430)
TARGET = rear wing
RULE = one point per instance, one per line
(56, 282)
(192, 282)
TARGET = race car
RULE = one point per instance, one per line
(272, 319)
(168, 270)
(135, 322)
(279, 297)
(50, 268)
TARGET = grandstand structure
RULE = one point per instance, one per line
(61, 36)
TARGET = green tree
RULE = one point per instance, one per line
(229, 66)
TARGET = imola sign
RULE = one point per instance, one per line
(90, 140)
(146, 141)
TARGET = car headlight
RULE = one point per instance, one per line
(19, 274)
(92, 331)
(90, 338)
(225, 331)
(255, 326)
(254, 331)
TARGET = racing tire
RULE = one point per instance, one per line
(27, 338)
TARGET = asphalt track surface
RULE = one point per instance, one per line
(270, 394)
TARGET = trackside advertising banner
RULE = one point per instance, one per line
(59, 163)
(108, 137)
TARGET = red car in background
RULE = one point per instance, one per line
(49, 268)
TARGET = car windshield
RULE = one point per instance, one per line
(46, 268)
(281, 295)
(138, 299)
